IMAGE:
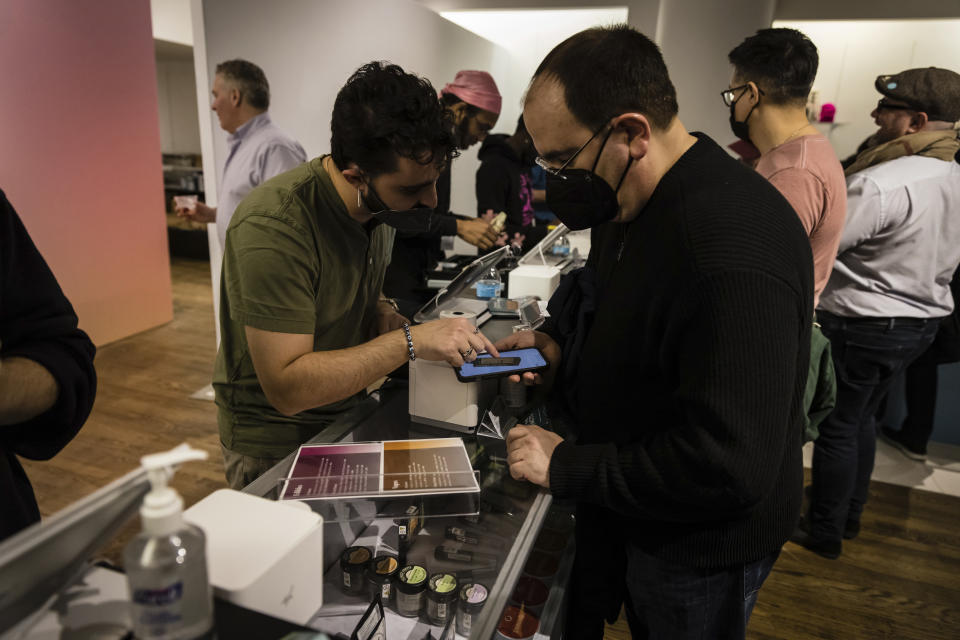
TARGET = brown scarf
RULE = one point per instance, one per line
(942, 145)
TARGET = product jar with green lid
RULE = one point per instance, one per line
(441, 597)
(381, 573)
(411, 584)
(353, 565)
(473, 596)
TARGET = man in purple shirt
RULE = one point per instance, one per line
(258, 151)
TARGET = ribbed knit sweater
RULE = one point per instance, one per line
(692, 375)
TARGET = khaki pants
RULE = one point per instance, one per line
(241, 470)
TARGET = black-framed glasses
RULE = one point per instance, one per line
(556, 171)
(889, 106)
(729, 95)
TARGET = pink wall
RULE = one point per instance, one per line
(80, 154)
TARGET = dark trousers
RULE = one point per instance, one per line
(663, 599)
(669, 601)
(867, 354)
(921, 396)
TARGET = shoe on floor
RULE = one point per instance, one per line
(896, 439)
(829, 549)
(851, 529)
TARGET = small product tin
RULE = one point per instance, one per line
(381, 574)
(353, 564)
(441, 597)
(473, 596)
(410, 586)
(531, 593)
(517, 624)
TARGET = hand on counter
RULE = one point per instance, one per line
(529, 449)
(452, 340)
(477, 232)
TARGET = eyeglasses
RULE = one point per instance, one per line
(556, 171)
(883, 104)
(729, 95)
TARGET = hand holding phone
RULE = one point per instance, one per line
(524, 360)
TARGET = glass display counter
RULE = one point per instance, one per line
(512, 544)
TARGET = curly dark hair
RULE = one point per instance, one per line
(383, 113)
(783, 62)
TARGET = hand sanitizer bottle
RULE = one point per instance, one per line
(166, 564)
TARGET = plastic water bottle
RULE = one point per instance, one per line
(561, 247)
(489, 285)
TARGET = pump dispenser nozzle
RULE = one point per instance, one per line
(162, 509)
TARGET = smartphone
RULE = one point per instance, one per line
(530, 360)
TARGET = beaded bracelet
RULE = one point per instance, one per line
(406, 330)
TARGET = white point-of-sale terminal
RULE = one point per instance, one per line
(263, 554)
(437, 397)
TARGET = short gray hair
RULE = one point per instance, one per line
(249, 80)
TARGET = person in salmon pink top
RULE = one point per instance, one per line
(773, 72)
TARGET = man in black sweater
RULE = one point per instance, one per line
(685, 382)
(47, 379)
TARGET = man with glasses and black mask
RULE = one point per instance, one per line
(685, 382)
(305, 329)
(773, 72)
(890, 285)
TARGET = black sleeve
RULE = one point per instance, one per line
(38, 322)
(493, 188)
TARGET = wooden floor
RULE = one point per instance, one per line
(899, 580)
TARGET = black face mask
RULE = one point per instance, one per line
(407, 221)
(580, 198)
(741, 129)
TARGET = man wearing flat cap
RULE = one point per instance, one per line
(890, 285)
(473, 102)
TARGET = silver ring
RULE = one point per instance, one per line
(465, 354)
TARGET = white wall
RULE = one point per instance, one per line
(177, 94)
(171, 21)
(695, 37)
(854, 53)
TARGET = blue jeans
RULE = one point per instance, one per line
(868, 353)
(666, 600)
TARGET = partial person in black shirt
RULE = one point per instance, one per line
(47, 379)
(505, 183)
(688, 377)
(474, 102)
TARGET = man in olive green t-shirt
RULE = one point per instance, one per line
(305, 329)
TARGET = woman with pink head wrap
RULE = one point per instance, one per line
(474, 101)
